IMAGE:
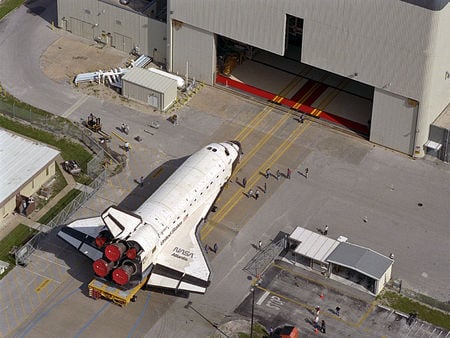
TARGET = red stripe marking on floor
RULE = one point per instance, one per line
(244, 87)
(315, 95)
(303, 90)
(290, 103)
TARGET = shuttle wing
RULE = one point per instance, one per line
(181, 264)
(81, 234)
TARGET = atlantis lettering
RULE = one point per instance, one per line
(182, 254)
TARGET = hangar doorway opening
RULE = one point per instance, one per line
(285, 80)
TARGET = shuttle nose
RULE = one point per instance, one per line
(237, 145)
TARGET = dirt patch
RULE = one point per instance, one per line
(69, 56)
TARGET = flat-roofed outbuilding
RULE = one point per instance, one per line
(361, 265)
(25, 165)
(148, 87)
(311, 249)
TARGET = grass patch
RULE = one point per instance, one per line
(258, 332)
(62, 203)
(69, 150)
(406, 305)
(8, 6)
(18, 236)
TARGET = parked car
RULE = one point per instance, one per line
(72, 167)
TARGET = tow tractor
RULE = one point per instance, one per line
(93, 123)
(99, 288)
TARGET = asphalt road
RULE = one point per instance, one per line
(349, 180)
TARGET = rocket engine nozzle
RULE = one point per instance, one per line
(122, 274)
(101, 267)
(115, 251)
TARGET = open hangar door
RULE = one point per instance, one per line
(287, 81)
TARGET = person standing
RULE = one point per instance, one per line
(338, 309)
(288, 173)
(250, 193)
(256, 194)
(244, 182)
(323, 327)
(267, 173)
(259, 245)
(215, 247)
(206, 248)
(325, 230)
(141, 181)
(278, 174)
(265, 187)
(316, 322)
(306, 172)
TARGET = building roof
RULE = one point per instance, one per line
(20, 160)
(313, 245)
(361, 259)
(148, 79)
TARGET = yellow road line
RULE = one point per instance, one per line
(238, 195)
(367, 313)
(256, 121)
(294, 81)
(247, 157)
(158, 172)
(309, 92)
(306, 306)
(329, 98)
(43, 285)
(119, 137)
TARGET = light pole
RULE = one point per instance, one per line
(252, 290)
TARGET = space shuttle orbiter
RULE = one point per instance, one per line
(160, 238)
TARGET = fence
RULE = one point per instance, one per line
(95, 168)
(259, 263)
(22, 255)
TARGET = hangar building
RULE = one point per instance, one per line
(25, 165)
(394, 54)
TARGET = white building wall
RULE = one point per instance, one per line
(400, 47)
(195, 52)
(393, 121)
(127, 29)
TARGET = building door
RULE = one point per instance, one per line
(153, 101)
(122, 42)
(81, 28)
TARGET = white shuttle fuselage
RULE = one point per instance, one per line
(160, 237)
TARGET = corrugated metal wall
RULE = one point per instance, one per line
(400, 47)
(93, 19)
(195, 51)
(160, 101)
(371, 38)
(393, 121)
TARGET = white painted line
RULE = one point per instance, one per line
(75, 106)
(262, 298)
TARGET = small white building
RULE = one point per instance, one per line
(311, 249)
(148, 87)
(25, 165)
(361, 265)
(355, 263)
